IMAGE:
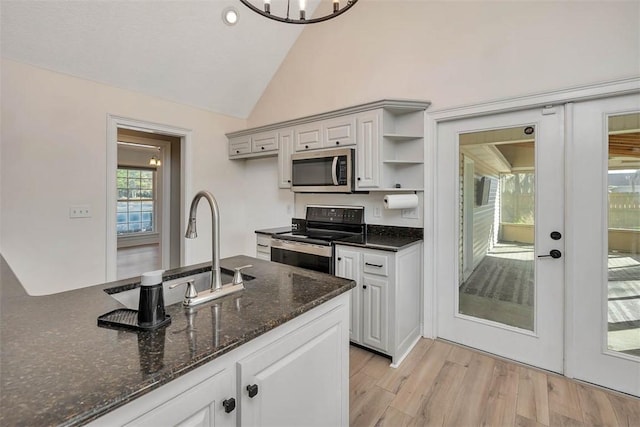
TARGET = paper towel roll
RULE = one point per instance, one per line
(400, 201)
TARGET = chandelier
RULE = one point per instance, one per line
(266, 11)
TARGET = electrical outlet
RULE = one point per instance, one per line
(80, 211)
(411, 213)
(377, 212)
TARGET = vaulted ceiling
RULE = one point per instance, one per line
(176, 50)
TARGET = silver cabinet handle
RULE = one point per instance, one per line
(374, 265)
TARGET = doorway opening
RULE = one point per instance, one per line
(145, 176)
(146, 187)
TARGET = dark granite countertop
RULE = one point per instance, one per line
(386, 238)
(381, 242)
(277, 230)
(59, 368)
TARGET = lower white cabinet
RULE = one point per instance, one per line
(385, 304)
(200, 406)
(263, 247)
(298, 380)
(294, 375)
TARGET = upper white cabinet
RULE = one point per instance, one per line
(368, 150)
(308, 136)
(284, 158)
(388, 136)
(254, 145)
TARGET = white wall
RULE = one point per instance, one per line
(452, 53)
(54, 147)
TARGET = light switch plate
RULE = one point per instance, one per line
(80, 211)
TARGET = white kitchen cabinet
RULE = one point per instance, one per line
(348, 266)
(301, 370)
(263, 246)
(199, 406)
(387, 315)
(299, 379)
(368, 150)
(239, 146)
(339, 132)
(388, 136)
(284, 158)
(308, 136)
(264, 142)
(259, 144)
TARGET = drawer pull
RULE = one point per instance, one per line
(262, 245)
(374, 265)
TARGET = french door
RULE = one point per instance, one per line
(499, 216)
(604, 249)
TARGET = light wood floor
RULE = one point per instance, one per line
(442, 384)
(135, 260)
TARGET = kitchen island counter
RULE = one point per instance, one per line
(59, 368)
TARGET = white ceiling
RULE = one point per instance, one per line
(177, 50)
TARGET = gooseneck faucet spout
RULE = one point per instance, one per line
(216, 279)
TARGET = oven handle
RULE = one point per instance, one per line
(334, 170)
(323, 251)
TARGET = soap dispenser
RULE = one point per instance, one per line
(151, 305)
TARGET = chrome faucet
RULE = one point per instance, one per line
(192, 296)
(216, 279)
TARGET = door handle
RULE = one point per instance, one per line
(553, 253)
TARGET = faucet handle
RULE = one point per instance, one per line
(191, 290)
(237, 277)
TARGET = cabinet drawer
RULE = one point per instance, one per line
(376, 264)
(263, 244)
(263, 142)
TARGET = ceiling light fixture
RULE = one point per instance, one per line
(266, 11)
(230, 16)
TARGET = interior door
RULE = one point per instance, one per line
(604, 256)
(500, 234)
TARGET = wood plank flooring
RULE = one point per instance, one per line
(135, 260)
(443, 384)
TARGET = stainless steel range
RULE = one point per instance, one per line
(310, 243)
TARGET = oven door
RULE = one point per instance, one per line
(304, 255)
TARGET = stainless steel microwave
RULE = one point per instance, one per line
(323, 171)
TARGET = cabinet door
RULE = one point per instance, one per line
(239, 145)
(348, 266)
(375, 312)
(308, 136)
(368, 150)
(200, 406)
(299, 379)
(264, 142)
(340, 131)
(284, 158)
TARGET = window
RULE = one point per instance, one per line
(517, 198)
(136, 201)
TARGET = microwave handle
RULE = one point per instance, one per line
(334, 170)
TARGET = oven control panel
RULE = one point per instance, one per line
(336, 214)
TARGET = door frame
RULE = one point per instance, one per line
(434, 118)
(115, 122)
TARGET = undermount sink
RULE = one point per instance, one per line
(130, 297)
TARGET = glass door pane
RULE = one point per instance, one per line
(623, 287)
(497, 210)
